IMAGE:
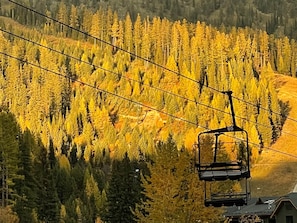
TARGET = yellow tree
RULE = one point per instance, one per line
(264, 48)
(165, 34)
(287, 54)
(146, 42)
(175, 41)
(120, 41)
(128, 33)
(7, 215)
(184, 54)
(171, 78)
(86, 20)
(172, 190)
(97, 25)
(62, 16)
(115, 30)
(73, 21)
(15, 89)
(156, 30)
(4, 45)
(137, 34)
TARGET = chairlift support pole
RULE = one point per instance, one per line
(229, 93)
(216, 147)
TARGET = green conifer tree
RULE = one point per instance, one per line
(123, 192)
(48, 204)
(27, 186)
(9, 157)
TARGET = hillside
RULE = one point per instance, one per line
(274, 16)
(275, 172)
(90, 117)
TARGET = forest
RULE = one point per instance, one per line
(276, 17)
(96, 110)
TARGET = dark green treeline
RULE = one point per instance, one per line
(40, 187)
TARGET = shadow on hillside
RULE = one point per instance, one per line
(279, 83)
(275, 179)
(284, 111)
(284, 105)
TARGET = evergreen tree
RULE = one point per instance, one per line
(128, 36)
(172, 190)
(86, 20)
(137, 34)
(123, 192)
(27, 186)
(73, 21)
(49, 205)
(65, 185)
(62, 16)
(9, 157)
(47, 201)
(96, 25)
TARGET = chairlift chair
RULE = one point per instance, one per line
(216, 170)
(228, 198)
(226, 170)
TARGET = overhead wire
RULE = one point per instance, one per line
(113, 72)
(131, 79)
(130, 100)
(265, 109)
(142, 58)
(108, 43)
(99, 89)
(153, 63)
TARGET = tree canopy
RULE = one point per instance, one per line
(81, 112)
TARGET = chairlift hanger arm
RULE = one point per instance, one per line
(229, 93)
(233, 127)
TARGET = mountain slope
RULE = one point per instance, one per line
(275, 172)
(274, 16)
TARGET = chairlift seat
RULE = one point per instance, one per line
(219, 200)
(222, 171)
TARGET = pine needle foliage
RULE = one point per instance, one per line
(172, 190)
